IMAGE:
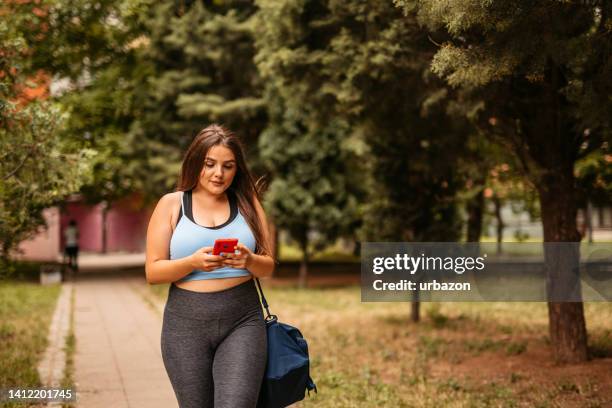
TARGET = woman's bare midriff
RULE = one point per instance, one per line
(212, 285)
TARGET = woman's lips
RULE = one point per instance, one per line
(217, 183)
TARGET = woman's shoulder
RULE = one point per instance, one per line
(170, 204)
(170, 201)
(173, 196)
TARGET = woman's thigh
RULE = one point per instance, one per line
(188, 358)
(239, 364)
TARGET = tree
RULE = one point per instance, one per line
(202, 54)
(138, 88)
(353, 60)
(311, 195)
(506, 187)
(594, 177)
(37, 169)
(95, 53)
(364, 63)
(312, 155)
(536, 76)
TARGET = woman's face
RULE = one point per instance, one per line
(218, 171)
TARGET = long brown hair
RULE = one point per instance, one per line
(243, 185)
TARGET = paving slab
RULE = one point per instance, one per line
(118, 359)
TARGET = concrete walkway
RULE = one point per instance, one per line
(118, 359)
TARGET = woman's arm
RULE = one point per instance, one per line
(260, 266)
(158, 267)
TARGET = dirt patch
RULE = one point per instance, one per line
(533, 372)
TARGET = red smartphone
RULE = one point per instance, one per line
(224, 245)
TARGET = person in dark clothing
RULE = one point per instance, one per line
(71, 245)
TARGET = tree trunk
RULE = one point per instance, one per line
(566, 319)
(105, 208)
(500, 223)
(303, 275)
(415, 307)
(553, 146)
(588, 219)
(475, 208)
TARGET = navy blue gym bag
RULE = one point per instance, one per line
(287, 375)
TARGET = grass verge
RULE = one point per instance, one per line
(26, 310)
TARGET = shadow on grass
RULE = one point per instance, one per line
(600, 344)
(22, 271)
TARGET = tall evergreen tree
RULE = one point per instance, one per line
(318, 180)
(538, 75)
(364, 63)
(314, 192)
(202, 53)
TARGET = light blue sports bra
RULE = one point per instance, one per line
(188, 237)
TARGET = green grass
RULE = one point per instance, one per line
(292, 253)
(370, 355)
(26, 310)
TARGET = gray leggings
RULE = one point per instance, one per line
(214, 346)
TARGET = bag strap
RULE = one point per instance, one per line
(264, 302)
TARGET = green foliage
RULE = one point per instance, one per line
(204, 71)
(539, 75)
(99, 117)
(37, 168)
(505, 62)
(103, 72)
(78, 38)
(594, 175)
(366, 64)
(310, 190)
(312, 154)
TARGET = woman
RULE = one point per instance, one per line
(213, 337)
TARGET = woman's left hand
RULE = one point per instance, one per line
(240, 260)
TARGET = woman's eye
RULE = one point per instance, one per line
(229, 167)
(210, 165)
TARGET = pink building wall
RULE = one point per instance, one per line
(89, 223)
(126, 224)
(45, 246)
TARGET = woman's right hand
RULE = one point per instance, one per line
(204, 260)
